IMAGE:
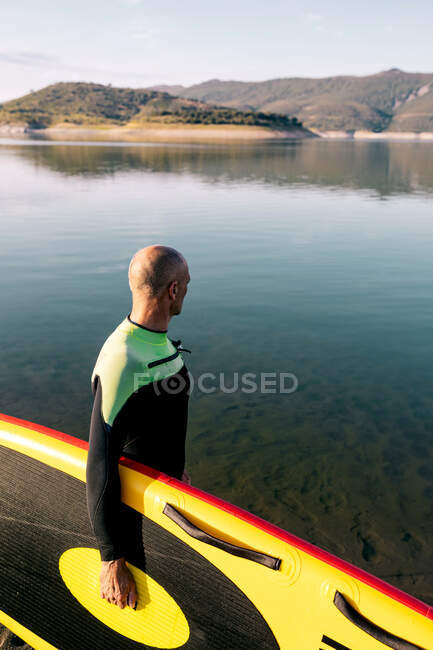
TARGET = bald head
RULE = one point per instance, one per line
(154, 268)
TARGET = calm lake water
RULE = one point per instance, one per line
(313, 258)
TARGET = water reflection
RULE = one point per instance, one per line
(382, 167)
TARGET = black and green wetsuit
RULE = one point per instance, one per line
(141, 388)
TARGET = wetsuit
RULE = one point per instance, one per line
(141, 387)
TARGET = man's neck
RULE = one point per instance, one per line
(151, 317)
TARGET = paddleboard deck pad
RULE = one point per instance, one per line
(209, 575)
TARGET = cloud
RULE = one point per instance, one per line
(49, 64)
(312, 17)
(132, 3)
(315, 20)
(388, 28)
(29, 59)
(147, 35)
(143, 34)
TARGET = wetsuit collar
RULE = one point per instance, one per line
(147, 329)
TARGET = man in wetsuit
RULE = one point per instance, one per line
(141, 387)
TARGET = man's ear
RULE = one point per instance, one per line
(172, 289)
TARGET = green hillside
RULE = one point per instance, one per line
(87, 104)
(393, 100)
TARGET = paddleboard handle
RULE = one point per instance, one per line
(193, 531)
(355, 617)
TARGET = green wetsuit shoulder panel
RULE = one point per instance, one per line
(123, 364)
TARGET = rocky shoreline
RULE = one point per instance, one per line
(198, 133)
(158, 133)
(372, 135)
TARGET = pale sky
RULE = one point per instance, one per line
(139, 43)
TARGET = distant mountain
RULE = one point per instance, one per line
(165, 88)
(88, 104)
(391, 100)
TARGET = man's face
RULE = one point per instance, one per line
(182, 288)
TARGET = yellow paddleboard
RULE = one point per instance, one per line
(209, 575)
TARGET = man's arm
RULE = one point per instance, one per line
(103, 501)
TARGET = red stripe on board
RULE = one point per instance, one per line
(45, 430)
(275, 531)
